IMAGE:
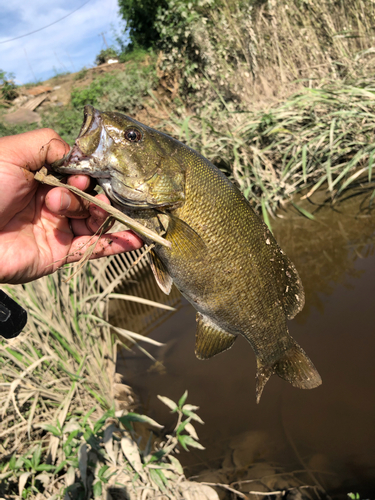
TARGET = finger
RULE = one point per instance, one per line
(79, 227)
(94, 222)
(109, 244)
(97, 215)
(38, 148)
(61, 201)
(82, 182)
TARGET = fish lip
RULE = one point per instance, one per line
(76, 162)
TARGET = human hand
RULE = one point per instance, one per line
(41, 229)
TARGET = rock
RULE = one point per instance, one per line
(22, 116)
(249, 447)
(228, 462)
(18, 101)
(196, 491)
(261, 472)
(214, 476)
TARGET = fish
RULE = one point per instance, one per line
(223, 258)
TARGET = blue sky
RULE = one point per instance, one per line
(68, 45)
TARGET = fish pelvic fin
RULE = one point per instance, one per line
(210, 339)
(163, 279)
(294, 366)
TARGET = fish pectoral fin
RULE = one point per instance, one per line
(184, 238)
(294, 366)
(210, 339)
(161, 275)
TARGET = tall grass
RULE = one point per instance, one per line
(62, 433)
(262, 47)
(317, 137)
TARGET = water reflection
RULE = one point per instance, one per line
(325, 251)
(323, 437)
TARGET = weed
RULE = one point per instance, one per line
(106, 54)
(67, 122)
(81, 74)
(58, 74)
(8, 89)
(321, 136)
(137, 55)
(123, 91)
(8, 129)
(60, 433)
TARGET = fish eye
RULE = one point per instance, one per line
(133, 135)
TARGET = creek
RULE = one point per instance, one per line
(323, 437)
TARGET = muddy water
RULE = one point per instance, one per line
(328, 431)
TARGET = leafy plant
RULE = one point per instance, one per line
(60, 433)
(184, 432)
(123, 91)
(81, 74)
(140, 21)
(8, 88)
(106, 54)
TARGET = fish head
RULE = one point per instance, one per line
(136, 165)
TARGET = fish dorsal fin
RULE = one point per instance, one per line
(293, 297)
(210, 339)
(184, 238)
(161, 275)
(288, 281)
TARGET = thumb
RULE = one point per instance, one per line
(31, 150)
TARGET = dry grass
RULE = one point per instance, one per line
(62, 433)
(278, 94)
(317, 137)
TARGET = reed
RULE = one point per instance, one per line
(318, 137)
(62, 432)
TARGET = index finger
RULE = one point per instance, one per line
(31, 150)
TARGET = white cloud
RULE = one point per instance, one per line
(68, 45)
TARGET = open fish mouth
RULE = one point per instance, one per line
(76, 162)
(76, 156)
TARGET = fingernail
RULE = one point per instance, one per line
(65, 201)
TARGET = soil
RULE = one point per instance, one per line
(56, 92)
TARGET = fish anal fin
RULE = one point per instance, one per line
(262, 377)
(161, 275)
(294, 366)
(210, 339)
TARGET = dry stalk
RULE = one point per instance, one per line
(44, 178)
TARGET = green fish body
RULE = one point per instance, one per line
(223, 258)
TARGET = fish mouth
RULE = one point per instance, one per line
(77, 162)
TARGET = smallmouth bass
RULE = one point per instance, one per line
(223, 258)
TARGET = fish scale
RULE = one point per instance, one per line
(223, 258)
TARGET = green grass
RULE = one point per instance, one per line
(123, 91)
(60, 432)
(317, 138)
(7, 129)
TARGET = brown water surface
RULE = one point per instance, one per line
(329, 431)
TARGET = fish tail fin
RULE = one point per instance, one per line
(294, 366)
